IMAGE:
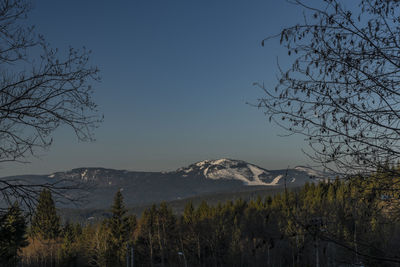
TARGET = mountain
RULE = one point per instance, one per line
(98, 185)
(248, 173)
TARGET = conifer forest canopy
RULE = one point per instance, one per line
(341, 91)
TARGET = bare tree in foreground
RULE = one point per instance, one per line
(342, 91)
(39, 91)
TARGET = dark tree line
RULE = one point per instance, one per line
(324, 224)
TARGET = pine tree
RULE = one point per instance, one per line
(12, 235)
(45, 229)
(191, 234)
(45, 221)
(118, 225)
(68, 250)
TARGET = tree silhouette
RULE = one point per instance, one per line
(45, 222)
(46, 228)
(12, 235)
(342, 89)
(39, 92)
(119, 231)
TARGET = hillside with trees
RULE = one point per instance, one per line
(340, 92)
(325, 224)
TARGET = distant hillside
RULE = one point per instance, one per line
(142, 188)
(95, 215)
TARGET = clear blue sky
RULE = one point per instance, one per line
(176, 76)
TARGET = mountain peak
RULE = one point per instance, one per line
(249, 174)
(207, 176)
(221, 162)
(225, 168)
(211, 169)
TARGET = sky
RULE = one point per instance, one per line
(176, 80)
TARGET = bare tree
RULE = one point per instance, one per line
(39, 91)
(342, 90)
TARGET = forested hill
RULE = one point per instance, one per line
(337, 223)
(205, 177)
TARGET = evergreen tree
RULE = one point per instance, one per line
(118, 225)
(191, 234)
(68, 250)
(12, 235)
(45, 221)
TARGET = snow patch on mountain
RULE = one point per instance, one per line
(224, 168)
(205, 172)
(257, 173)
(219, 169)
(309, 171)
(250, 174)
(276, 180)
(84, 175)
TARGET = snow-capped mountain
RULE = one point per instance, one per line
(240, 170)
(204, 177)
(250, 174)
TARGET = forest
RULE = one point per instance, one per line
(340, 91)
(334, 223)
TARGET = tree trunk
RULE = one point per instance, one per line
(160, 243)
(198, 249)
(164, 240)
(151, 249)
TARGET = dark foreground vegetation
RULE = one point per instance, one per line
(327, 224)
(177, 205)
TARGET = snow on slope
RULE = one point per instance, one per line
(249, 174)
(226, 169)
(276, 180)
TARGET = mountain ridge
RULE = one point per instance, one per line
(199, 178)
